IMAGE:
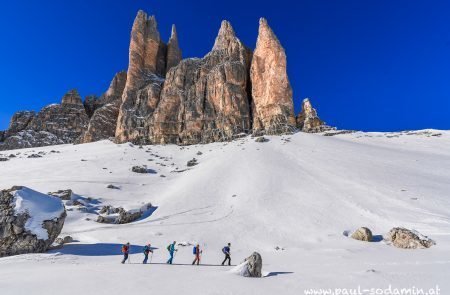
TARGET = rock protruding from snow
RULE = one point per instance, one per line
(251, 267)
(408, 239)
(29, 221)
(273, 107)
(65, 195)
(308, 121)
(362, 234)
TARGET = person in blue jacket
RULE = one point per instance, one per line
(171, 249)
(226, 250)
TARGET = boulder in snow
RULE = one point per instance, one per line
(261, 139)
(65, 195)
(408, 239)
(251, 267)
(362, 234)
(29, 221)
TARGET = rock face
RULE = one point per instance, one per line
(103, 122)
(29, 221)
(174, 55)
(205, 100)
(273, 108)
(162, 99)
(362, 234)
(147, 64)
(308, 121)
(66, 120)
(408, 239)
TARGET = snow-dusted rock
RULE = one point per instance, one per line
(65, 195)
(251, 267)
(408, 239)
(362, 234)
(29, 221)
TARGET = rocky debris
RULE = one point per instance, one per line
(334, 132)
(362, 234)
(103, 122)
(59, 242)
(120, 215)
(199, 153)
(110, 186)
(192, 163)
(273, 107)
(261, 139)
(34, 156)
(140, 169)
(4, 159)
(29, 221)
(65, 195)
(408, 239)
(30, 138)
(12, 156)
(251, 267)
(308, 121)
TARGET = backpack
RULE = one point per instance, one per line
(168, 247)
(224, 250)
(124, 248)
(146, 249)
(194, 251)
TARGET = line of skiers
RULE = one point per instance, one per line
(197, 251)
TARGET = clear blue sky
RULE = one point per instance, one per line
(367, 65)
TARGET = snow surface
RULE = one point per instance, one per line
(297, 194)
(39, 207)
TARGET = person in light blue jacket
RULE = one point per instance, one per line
(171, 249)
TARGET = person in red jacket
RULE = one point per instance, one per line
(197, 252)
(125, 251)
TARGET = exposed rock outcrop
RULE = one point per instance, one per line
(362, 234)
(19, 122)
(408, 239)
(251, 267)
(147, 63)
(66, 120)
(308, 121)
(273, 108)
(29, 221)
(103, 122)
(174, 55)
(205, 100)
(162, 99)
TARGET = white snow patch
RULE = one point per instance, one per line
(39, 207)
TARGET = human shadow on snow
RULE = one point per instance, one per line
(99, 249)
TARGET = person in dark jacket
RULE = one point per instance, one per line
(147, 249)
(226, 250)
(197, 253)
(125, 251)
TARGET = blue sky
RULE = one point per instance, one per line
(367, 65)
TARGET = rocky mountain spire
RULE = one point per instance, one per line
(173, 50)
(307, 119)
(146, 67)
(272, 93)
(227, 43)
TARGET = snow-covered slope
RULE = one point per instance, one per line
(290, 198)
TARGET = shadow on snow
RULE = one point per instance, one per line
(99, 249)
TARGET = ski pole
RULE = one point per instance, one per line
(151, 257)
